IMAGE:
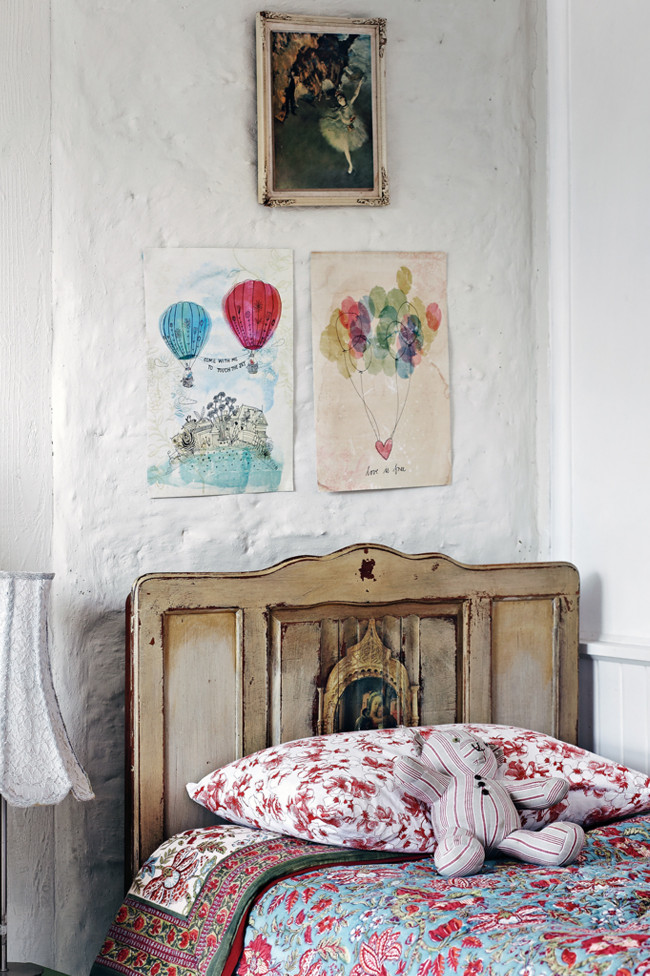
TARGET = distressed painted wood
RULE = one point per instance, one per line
(439, 668)
(524, 631)
(202, 662)
(297, 676)
(223, 664)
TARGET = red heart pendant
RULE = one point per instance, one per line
(384, 448)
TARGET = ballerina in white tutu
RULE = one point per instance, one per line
(342, 128)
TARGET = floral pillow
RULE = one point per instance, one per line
(335, 789)
(339, 789)
(599, 789)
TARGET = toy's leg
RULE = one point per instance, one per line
(459, 854)
(555, 845)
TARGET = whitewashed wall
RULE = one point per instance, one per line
(25, 409)
(153, 144)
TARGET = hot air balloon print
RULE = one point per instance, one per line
(185, 327)
(252, 309)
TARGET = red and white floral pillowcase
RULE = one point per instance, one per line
(334, 789)
(599, 789)
(339, 789)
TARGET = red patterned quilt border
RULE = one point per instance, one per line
(146, 940)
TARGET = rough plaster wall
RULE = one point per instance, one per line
(153, 144)
(25, 426)
(25, 328)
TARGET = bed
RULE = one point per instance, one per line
(266, 834)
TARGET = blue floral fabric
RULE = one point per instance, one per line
(591, 918)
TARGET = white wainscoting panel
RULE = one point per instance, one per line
(615, 701)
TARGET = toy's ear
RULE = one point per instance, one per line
(498, 752)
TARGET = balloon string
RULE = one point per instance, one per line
(371, 417)
(399, 412)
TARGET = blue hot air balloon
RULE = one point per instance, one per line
(185, 327)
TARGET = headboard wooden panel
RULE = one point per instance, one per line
(223, 664)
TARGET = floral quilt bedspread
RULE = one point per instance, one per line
(186, 912)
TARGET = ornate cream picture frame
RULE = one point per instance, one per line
(320, 111)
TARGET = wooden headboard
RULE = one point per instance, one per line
(223, 664)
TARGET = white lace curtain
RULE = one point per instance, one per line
(37, 762)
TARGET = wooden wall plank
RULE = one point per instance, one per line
(410, 656)
(203, 672)
(566, 637)
(476, 665)
(299, 669)
(440, 661)
(256, 679)
(523, 689)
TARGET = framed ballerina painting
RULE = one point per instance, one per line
(381, 369)
(320, 110)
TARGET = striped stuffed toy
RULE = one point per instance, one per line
(474, 812)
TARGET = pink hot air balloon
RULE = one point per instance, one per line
(253, 309)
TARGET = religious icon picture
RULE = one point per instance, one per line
(367, 703)
(320, 106)
(368, 688)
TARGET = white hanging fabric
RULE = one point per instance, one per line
(37, 762)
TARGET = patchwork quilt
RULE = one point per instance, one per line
(233, 900)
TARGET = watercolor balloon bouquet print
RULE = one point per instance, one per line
(381, 370)
(220, 370)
